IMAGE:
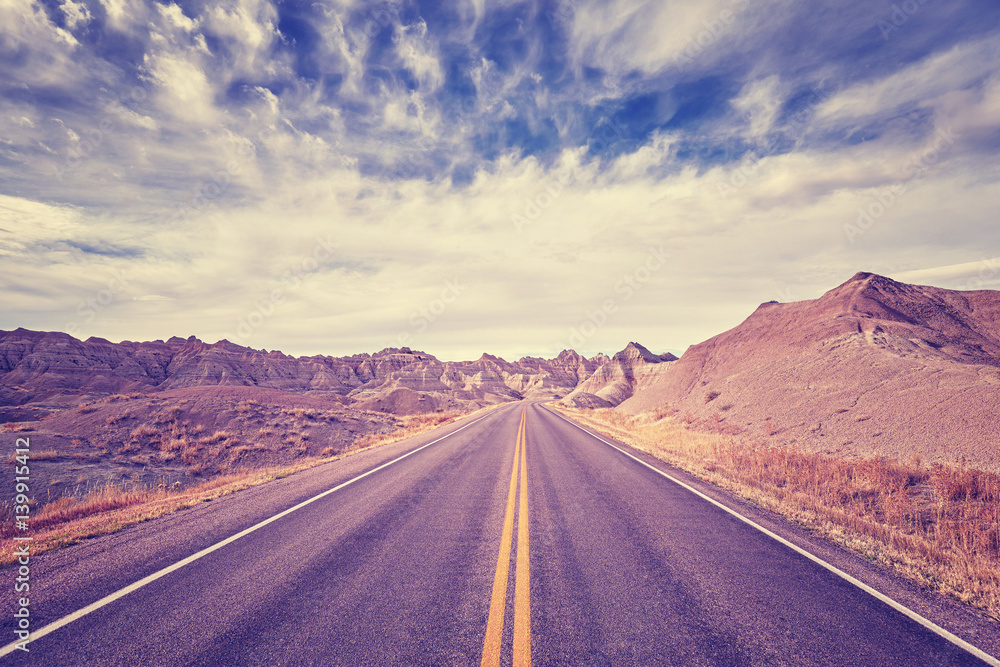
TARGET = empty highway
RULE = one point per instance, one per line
(511, 538)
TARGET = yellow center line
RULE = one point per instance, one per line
(498, 602)
(522, 597)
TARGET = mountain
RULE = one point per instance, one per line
(616, 380)
(171, 409)
(873, 366)
(100, 412)
(46, 368)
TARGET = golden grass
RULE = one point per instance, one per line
(407, 426)
(939, 525)
(113, 507)
(40, 455)
(143, 431)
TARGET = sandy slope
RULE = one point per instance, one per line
(871, 367)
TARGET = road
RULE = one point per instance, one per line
(519, 537)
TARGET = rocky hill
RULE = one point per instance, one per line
(55, 369)
(873, 366)
(617, 379)
(173, 410)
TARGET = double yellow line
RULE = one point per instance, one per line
(522, 585)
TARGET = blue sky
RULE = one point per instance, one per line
(461, 177)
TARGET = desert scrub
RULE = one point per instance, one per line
(939, 525)
(405, 427)
(113, 507)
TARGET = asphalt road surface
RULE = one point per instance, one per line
(517, 539)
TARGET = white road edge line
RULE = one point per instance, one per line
(930, 625)
(108, 599)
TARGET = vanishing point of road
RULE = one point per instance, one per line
(511, 538)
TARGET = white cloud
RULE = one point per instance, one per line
(120, 112)
(128, 16)
(780, 233)
(921, 84)
(249, 31)
(76, 13)
(408, 113)
(175, 17)
(982, 274)
(49, 56)
(636, 35)
(644, 162)
(974, 114)
(30, 223)
(183, 90)
(417, 55)
(265, 181)
(759, 103)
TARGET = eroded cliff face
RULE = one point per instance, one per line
(873, 366)
(183, 409)
(57, 370)
(615, 380)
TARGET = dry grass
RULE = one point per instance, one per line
(41, 455)
(406, 427)
(310, 414)
(938, 525)
(13, 427)
(113, 507)
(115, 420)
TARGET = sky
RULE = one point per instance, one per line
(508, 177)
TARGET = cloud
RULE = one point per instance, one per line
(760, 102)
(355, 158)
(247, 34)
(152, 297)
(76, 14)
(921, 84)
(417, 55)
(175, 17)
(983, 274)
(183, 91)
(629, 35)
